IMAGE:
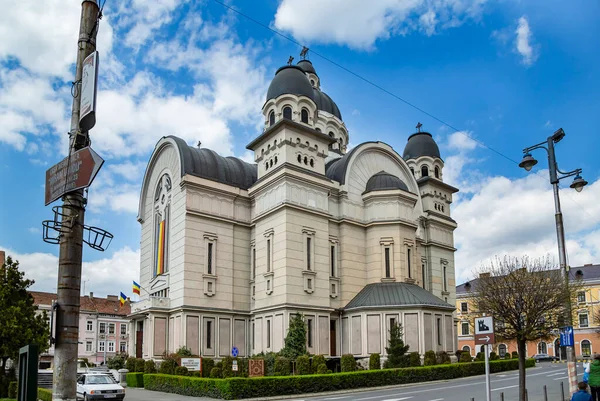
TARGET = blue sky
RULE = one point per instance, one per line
(507, 73)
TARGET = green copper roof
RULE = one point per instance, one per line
(395, 295)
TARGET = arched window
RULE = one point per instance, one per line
(304, 116)
(424, 171)
(586, 348)
(437, 172)
(162, 217)
(287, 112)
(412, 170)
(312, 82)
(305, 160)
(299, 158)
(542, 348)
(271, 118)
(331, 134)
(502, 350)
(312, 163)
(318, 129)
(466, 348)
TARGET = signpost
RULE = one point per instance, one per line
(484, 335)
(89, 85)
(74, 172)
(234, 352)
(567, 338)
(192, 364)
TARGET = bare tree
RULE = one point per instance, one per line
(528, 299)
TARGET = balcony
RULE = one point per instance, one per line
(151, 302)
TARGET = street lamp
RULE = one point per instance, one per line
(578, 183)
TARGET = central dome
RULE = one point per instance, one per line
(383, 181)
(421, 144)
(290, 79)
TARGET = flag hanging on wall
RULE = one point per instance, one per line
(136, 288)
(122, 299)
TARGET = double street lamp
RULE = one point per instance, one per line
(578, 183)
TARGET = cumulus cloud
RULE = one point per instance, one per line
(357, 25)
(523, 42)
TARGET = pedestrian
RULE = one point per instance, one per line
(594, 379)
(582, 394)
(586, 371)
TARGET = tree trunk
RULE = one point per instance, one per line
(522, 357)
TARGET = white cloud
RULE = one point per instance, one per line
(461, 141)
(523, 42)
(34, 230)
(106, 276)
(353, 23)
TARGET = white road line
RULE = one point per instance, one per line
(554, 374)
(562, 378)
(397, 399)
(504, 388)
(336, 398)
(438, 399)
(369, 398)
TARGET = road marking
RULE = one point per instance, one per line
(397, 399)
(557, 373)
(336, 398)
(370, 398)
(438, 399)
(562, 378)
(504, 388)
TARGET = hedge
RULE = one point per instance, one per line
(12, 390)
(236, 388)
(135, 379)
(44, 394)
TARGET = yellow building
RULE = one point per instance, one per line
(585, 325)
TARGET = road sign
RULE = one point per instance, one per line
(73, 172)
(234, 352)
(234, 365)
(89, 89)
(566, 336)
(484, 330)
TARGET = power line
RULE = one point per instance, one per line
(368, 81)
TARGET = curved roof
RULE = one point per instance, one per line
(383, 181)
(206, 163)
(307, 66)
(290, 79)
(325, 103)
(395, 295)
(421, 144)
(336, 169)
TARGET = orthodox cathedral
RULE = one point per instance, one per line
(353, 240)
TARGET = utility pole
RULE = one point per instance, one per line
(70, 255)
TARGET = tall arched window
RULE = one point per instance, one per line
(412, 170)
(542, 348)
(502, 350)
(271, 118)
(437, 172)
(586, 348)
(162, 217)
(424, 171)
(287, 112)
(304, 116)
(467, 349)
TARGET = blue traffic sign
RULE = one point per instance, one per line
(234, 352)
(566, 336)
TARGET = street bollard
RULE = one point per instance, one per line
(123, 377)
(526, 395)
(562, 391)
(472, 399)
(502, 396)
(545, 393)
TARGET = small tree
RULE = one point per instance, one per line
(429, 358)
(396, 348)
(374, 361)
(295, 341)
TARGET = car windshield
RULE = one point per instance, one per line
(99, 379)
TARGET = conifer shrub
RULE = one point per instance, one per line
(374, 361)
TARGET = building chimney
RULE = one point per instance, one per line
(91, 294)
(112, 297)
(2, 258)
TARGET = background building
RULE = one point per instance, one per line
(354, 240)
(585, 323)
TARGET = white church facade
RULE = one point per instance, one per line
(353, 240)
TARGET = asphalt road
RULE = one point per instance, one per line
(506, 384)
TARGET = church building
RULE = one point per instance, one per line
(354, 240)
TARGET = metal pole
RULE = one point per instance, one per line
(502, 396)
(70, 254)
(562, 391)
(488, 389)
(545, 393)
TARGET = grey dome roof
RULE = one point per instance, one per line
(421, 144)
(383, 181)
(206, 163)
(325, 103)
(290, 79)
(307, 66)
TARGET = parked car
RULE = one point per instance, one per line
(544, 357)
(98, 386)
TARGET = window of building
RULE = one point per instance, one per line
(586, 348)
(268, 333)
(304, 116)
(271, 118)
(209, 261)
(408, 262)
(467, 349)
(111, 328)
(102, 328)
(88, 346)
(436, 171)
(542, 348)
(445, 279)
(388, 269)
(465, 328)
(253, 335)
(209, 334)
(309, 332)
(424, 171)
(502, 350)
(581, 297)
(583, 320)
(439, 330)
(308, 249)
(111, 346)
(309, 283)
(464, 307)
(89, 326)
(122, 347)
(332, 256)
(253, 262)
(287, 112)
(424, 274)
(412, 171)
(100, 346)
(268, 255)
(123, 329)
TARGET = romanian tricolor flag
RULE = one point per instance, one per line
(136, 288)
(160, 248)
(122, 299)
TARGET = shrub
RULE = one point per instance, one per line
(480, 357)
(181, 371)
(135, 379)
(494, 356)
(117, 362)
(44, 394)
(270, 363)
(282, 366)
(515, 354)
(130, 364)
(374, 362)
(139, 365)
(442, 357)
(12, 390)
(215, 373)
(429, 359)
(226, 367)
(303, 365)
(184, 352)
(322, 369)
(295, 340)
(458, 353)
(465, 357)
(150, 366)
(317, 361)
(207, 365)
(348, 363)
(167, 366)
(414, 359)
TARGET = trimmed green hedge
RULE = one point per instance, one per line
(236, 388)
(135, 379)
(44, 394)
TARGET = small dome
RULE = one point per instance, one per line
(421, 144)
(290, 79)
(325, 103)
(383, 181)
(307, 66)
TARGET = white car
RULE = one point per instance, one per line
(98, 386)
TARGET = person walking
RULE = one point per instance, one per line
(594, 379)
